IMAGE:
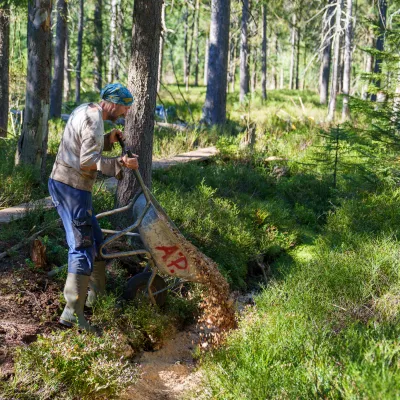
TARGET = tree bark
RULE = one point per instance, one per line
(326, 52)
(347, 60)
(335, 72)
(214, 110)
(79, 55)
(4, 68)
(142, 82)
(244, 52)
(56, 91)
(98, 45)
(264, 54)
(380, 44)
(32, 144)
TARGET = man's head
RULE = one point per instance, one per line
(116, 101)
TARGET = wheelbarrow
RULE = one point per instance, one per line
(162, 243)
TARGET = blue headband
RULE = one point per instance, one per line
(117, 93)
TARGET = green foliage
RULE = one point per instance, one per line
(69, 365)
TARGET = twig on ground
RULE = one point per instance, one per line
(28, 240)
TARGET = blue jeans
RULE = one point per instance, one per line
(84, 236)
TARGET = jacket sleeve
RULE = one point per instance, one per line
(110, 166)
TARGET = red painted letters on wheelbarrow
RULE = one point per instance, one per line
(169, 251)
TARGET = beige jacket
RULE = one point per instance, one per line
(82, 143)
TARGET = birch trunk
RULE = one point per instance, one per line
(57, 85)
(335, 72)
(214, 110)
(264, 54)
(32, 144)
(4, 68)
(347, 60)
(244, 52)
(79, 55)
(142, 82)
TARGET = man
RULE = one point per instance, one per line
(70, 186)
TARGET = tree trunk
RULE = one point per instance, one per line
(112, 62)
(244, 52)
(190, 52)
(67, 68)
(214, 110)
(163, 34)
(79, 55)
(232, 63)
(185, 45)
(380, 43)
(4, 67)
(98, 45)
(369, 65)
(264, 54)
(275, 64)
(335, 72)
(293, 54)
(326, 52)
(254, 72)
(347, 61)
(197, 38)
(298, 35)
(32, 144)
(142, 82)
(206, 54)
(56, 91)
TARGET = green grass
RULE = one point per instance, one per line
(328, 328)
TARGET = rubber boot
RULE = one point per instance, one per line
(97, 283)
(75, 293)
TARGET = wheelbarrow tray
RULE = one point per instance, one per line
(171, 252)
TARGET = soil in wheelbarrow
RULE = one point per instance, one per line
(218, 312)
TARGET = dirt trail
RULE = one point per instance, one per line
(168, 373)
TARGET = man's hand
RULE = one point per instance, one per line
(115, 134)
(131, 163)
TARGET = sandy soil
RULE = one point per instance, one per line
(168, 373)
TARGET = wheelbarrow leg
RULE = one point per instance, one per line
(153, 275)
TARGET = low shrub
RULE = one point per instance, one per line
(68, 365)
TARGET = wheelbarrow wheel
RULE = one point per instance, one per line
(137, 285)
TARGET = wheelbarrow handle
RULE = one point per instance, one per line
(136, 172)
